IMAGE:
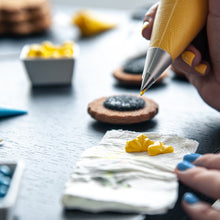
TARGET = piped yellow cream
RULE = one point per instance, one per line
(177, 23)
(143, 144)
(159, 148)
(139, 144)
(142, 92)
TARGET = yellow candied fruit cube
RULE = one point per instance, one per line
(48, 50)
(35, 51)
(66, 52)
(55, 54)
(138, 144)
(47, 45)
(46, 54)
(159, 148)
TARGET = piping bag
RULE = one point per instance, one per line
(176, 24)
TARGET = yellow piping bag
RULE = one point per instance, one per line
(176, 24)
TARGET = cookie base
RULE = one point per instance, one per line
(97, 111)
(132, 79)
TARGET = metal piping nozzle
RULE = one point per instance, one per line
(157, 60)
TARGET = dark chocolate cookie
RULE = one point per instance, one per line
(134, 66)
(123, 109)
(131, 72)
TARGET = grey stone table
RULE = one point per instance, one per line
(57, 128)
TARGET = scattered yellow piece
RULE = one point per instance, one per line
(89, 24)
(159, 148)
(48, 50)
(142, 92)
(142, 143)
(139, 144)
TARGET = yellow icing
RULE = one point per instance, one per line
(48, 50)
(159, 148)
(89, 24)
(177, 23)
(142, 92)
(142, 144)
(139, 144)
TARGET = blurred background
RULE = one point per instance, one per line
(120, 4)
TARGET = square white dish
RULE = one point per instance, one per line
(49, 71)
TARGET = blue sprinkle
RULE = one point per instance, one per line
(4, 169)
(5, 180)
(3, 191)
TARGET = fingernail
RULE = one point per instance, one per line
(145, 25)
(184, 165)
(187, 57)
(191, 157)
(190, 198)
(201, 68)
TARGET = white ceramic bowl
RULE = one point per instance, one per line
(52, 71)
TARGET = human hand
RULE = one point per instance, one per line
(201, 173)
(201, 70)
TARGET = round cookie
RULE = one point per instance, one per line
(122, 115)
(24, 17)
(131, 72)
(24, 28)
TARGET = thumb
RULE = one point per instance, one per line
(198, 210)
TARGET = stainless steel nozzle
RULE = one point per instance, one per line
(157, 60)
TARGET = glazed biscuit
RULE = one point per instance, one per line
(24, 15)
(98, 110)
(132, 79)
(131, 72)
(24, 28)
(14, 6)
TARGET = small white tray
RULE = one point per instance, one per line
(49, 71)
(7, 203)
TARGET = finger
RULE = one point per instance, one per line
(214, 7)
(190, 63)
(199, 178)
(191, 56)
(149, 21)
(210, 161)
(194, 68)
(198, 210)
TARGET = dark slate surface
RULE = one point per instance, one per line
(57, 128)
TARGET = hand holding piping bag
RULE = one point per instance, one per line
(201, 173)
(202, 69)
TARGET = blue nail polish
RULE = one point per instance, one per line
(184, 165)
(190, 198)
(191, 157)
